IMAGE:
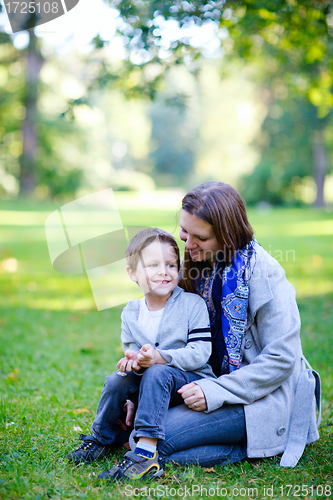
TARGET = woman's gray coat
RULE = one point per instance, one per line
(274, 384)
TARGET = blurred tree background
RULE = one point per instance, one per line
(169, 94)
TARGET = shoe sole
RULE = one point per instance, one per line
(147, 475)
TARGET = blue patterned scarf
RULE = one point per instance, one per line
(226, 292)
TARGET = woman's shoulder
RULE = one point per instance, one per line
(261, 260)
(267, 280)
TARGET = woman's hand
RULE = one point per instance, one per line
(193, 397)
(129, 362)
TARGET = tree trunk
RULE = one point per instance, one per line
(320, 163)
(34, 63)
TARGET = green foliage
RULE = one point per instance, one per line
(173, 138)
(130, 78)
(51, 171)
(289, 41)
(56, 351)
(288, 44)
(12, 112)
(142, 19)
(286, 143)
(58, 174)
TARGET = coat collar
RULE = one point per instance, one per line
(260, 289)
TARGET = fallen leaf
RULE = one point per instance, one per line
(81, 410)
(210, 469)
(14, 374)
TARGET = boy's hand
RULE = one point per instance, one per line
(129, 362)
(148, 356)
(129, 410)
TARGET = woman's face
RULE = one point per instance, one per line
(199, 237)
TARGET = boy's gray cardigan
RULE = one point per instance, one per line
(183, 338)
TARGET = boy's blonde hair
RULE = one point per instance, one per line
(143, 239)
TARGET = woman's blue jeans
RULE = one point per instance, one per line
(155, 389)
(186, 436)
(204, 439)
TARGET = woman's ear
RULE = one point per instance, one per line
(131, 274)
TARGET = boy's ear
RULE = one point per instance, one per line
(131, 274)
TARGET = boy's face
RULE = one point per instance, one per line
(157, 271)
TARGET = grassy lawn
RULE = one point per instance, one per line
(56, 350)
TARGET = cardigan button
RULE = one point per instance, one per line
(156, 344)
(281, 431)
(248, 344)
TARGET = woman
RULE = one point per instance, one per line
(263, 400)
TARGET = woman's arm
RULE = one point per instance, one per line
(276, 337)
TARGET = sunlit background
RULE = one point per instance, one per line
(87, 104)
(151, 98)
(81, 110)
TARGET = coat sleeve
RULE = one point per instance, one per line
(277, 324)
(199, 344)
(126, 335)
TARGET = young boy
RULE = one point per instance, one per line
(167, 343)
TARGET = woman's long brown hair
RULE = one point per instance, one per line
(220, 205)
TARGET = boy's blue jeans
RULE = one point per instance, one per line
(155, 390)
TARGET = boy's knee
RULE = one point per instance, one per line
(110, 379)
(158, 371)
(115, 381)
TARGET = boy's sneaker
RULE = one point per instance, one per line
(88, 451)
(134, 466)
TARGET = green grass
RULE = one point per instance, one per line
(56, 350)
